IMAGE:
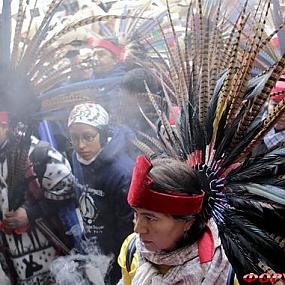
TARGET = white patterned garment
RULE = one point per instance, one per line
(31, 252)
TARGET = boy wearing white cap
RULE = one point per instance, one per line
(101, 163)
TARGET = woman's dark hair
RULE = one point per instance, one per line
(173, 176)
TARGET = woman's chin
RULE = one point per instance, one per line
(150, 246)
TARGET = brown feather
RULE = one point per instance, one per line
(17, 36)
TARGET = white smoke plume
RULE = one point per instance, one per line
(79, 269)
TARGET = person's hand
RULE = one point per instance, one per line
(16, 219)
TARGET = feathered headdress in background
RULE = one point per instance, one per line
(33, 57)
(35, 72)
(209, 75)
(34, 45)
(135, 32)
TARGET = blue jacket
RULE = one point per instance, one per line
(106, 213)
(108, 95)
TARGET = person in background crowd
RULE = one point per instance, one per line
(108, 65)
(108, 58)
(175, 243)
(101, 163)
(37, 205)
(277, 134)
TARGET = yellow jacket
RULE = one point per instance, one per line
(122, 260)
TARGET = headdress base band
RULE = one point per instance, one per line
(118, 51)
(142, 196)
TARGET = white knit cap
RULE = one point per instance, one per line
(89, 113)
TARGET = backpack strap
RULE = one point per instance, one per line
(130, 253)
(231, 276)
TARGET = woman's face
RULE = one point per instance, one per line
(85, 140)
(158, 231)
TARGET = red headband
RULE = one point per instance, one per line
(118, 51)
(277, 97)
(4, 118)
(142, 196)
(279, 87)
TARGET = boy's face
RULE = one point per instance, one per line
(85, 140)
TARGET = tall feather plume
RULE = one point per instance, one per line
(267, 124)
(245, 69)
(222, 103)
(22, 50)
(40, 34)
(5, 32)
(219, 127)
(144, 148)
(204, 95)
(259, 100)
(215, 47)
(18, 30)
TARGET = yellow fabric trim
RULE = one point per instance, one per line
(127, 276)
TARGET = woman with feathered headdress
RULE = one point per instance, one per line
(210, 77)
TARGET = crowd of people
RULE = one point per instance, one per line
(164, 152)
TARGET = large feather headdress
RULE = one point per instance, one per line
(35, 72)
(211, 76)
(35, 45)
(136, 30)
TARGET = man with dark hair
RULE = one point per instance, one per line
(108, 58)
(109, 66)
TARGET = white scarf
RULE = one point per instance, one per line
(186, 268)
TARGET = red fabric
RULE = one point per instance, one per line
(175, 112)
(118, 51)
(17, 231)
(275, 42)
(142, 196)
(206, 246)
(4, 118)
(278, 97)
(280, 86)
